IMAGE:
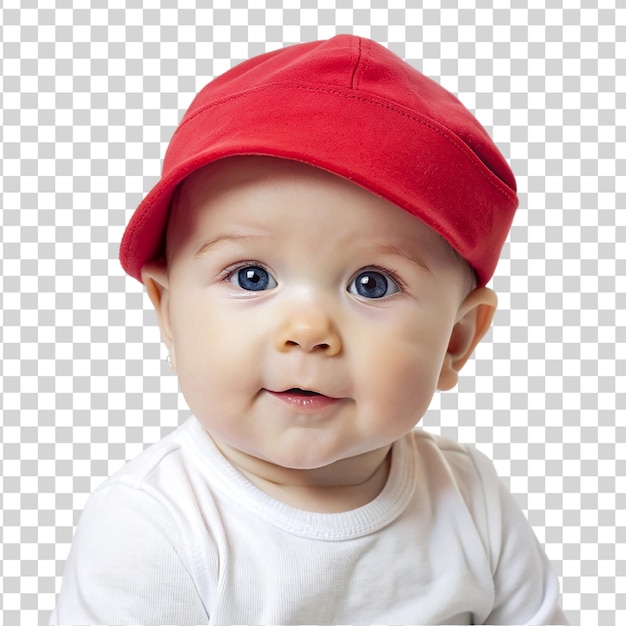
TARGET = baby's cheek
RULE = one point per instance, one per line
(402, 373)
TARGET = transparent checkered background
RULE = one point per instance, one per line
(91, 93)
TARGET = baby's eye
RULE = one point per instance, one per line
(373, 284)
(252, 278)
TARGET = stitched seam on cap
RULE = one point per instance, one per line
(356, 66)
(422, 121)
(390, 107)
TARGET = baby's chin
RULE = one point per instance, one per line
(304, 463)
(324, 470)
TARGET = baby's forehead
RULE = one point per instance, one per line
(265, 196)
(257, 182)
(238, 172)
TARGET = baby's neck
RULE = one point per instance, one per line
(343, 486)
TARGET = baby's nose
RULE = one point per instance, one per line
(309, 329)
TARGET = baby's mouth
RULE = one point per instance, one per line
(305, 400)
(302, 392)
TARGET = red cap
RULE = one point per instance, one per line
(351, 107)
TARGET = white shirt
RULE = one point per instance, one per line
(179, 536)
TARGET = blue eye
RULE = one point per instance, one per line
(372, 284)
(253, 278)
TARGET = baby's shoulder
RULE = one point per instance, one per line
(161, 478)
(136, 471)
(435, 446)
(158, 489)
(463, 466)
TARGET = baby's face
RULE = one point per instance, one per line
(308, 320)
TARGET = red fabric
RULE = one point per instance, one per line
(350, 106)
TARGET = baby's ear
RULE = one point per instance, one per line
(472, 322)
(154, 277)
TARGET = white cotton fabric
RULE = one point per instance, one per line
(179, 536)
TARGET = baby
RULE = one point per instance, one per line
(316, 251)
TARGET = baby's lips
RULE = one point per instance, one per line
(304, 391)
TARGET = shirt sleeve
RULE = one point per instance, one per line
(126, 565)
(526, 587)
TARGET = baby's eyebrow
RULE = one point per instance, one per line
(371, 247)
(401, 251)
(223, 239)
